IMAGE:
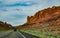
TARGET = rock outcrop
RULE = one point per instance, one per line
(4, 25)
(46, 17)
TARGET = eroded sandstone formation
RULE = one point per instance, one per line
(46, 17)
(4, 25)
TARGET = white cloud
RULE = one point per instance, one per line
(16, 15)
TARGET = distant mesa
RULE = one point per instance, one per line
(4, 25)
(46, 17)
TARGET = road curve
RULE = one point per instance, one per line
(15, 34)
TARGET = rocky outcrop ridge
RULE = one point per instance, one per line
(46, 17)
(4, 25)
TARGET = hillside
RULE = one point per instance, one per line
(44, 24)
(46, 17)
(4, 25)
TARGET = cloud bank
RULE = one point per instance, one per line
(15, 12)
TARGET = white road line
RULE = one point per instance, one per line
(21, 34)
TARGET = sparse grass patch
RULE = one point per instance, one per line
(47, 32)
(1, 30)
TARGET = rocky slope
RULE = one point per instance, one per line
(4, 25)
(44, 18)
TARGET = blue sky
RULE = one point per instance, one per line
(15, 12)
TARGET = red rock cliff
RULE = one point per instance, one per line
(45, 17)
(4, 25)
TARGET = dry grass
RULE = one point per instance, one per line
(44, 32)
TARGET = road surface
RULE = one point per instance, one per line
(16, 34)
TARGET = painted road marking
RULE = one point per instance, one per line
(21, 34)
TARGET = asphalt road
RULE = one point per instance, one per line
(16, 34)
